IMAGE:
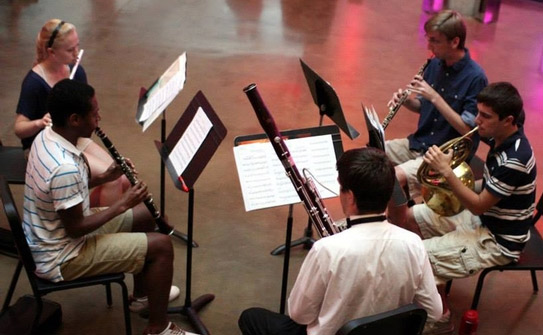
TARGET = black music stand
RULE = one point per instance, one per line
(143, 98)
(185, 179)
(327, 101)
(293, 134)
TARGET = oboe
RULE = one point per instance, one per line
(405, 94)
(162, 225)
(305, 188)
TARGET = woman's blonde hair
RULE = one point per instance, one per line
(47, 38)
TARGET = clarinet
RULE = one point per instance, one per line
(305, 188)
(405, 94)
(162, 225)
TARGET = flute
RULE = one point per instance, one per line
(72, 74)
(162, 225)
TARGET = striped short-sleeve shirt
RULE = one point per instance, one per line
(510, 174)
(56, 179)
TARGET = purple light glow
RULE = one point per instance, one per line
(432, 6)
(437, 5)
(488, 17)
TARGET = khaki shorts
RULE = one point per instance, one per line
(408, 160)
(458, 246)
(111, 248)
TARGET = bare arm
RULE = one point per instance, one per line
(77, 224)
(113, 172)
(477, 203)
(24, 127)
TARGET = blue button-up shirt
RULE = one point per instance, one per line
(459, 85)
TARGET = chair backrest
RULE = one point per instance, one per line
(15, 223)
(538, 210)
(406, 320)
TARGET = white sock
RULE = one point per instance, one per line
(165, 330)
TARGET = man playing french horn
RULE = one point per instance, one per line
(445, 97)
(494, 227)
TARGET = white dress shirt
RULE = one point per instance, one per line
(367, 269)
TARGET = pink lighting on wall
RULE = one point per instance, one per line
(433, 6)
(438, 5)
(489, 11)
(488, 17)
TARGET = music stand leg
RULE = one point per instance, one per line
(306, 240)
(191, 308)
(286, 261)
(191, 312)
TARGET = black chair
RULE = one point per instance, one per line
(42, 287)
(531, 259)
(406, 320)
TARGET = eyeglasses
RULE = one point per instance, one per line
(54, 34)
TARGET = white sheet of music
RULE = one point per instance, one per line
(263, 179)
(164, 91)
(191, 140)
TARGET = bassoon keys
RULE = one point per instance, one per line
(305, 188)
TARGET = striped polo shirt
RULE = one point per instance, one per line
(510, 174)
(56, 179)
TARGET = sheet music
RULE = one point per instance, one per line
(164, 91)
(262, 176)
(376, 132)
(191, 140)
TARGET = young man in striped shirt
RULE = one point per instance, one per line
(494, 227)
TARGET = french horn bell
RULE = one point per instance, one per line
(436, 192)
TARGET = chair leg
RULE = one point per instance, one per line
(12, 286)
(37, 317)
(479, 288)
(108, 294)
(534, 281)
(448, 287)
(127, 323)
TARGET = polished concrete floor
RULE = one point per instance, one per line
(365, 48)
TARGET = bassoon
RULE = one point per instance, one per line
(162, 225)
(305, 187)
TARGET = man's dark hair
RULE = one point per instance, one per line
(68, 97)
(370, 175)
(503, 98)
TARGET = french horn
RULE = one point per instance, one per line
(436, 192)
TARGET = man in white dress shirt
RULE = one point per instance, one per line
(372, 267)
